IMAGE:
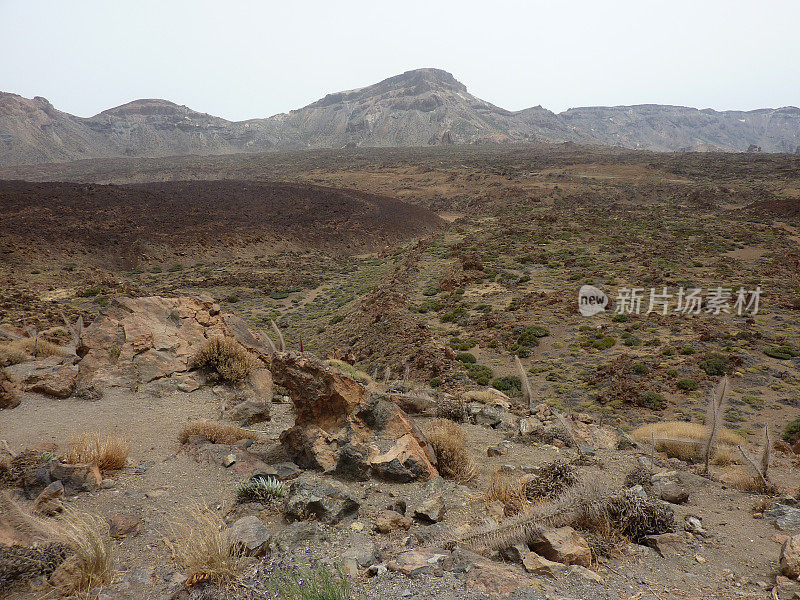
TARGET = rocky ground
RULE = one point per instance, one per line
(423, 329)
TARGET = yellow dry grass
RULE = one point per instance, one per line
(108, 452)
(508, 490)
(218, 433)
(204, 546)
(683, 440)
(449, 442)
(349, 370)
(25, 349)
(89, 537)
(226, 357)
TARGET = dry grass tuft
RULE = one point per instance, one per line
(218, 433)
(109, 453)
(509, 491)
(451, 407)
(204, 547)
(25, 349)
(686, 440)
(225, 357)
(449, 442)
(550, 480)
(350, 371)
(88, 536)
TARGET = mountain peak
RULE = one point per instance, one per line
(417, 82)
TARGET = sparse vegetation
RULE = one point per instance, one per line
(88, 536)
(226, 358)
(204, 547)
(218, 433)
(449, 442)
(260, 489)
(109, 453)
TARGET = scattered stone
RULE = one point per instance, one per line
(564, 545)
(250, 535)
(584, 573)
(667, 486)
(390, 520)
(490, 416)
(229, 460)
(121, 525)
(515, 553)
(76, 478)
(406, 461)
(108, 484)
(784, 517)
(417, 562)
(666, 544)
(249, 412)
(790, 557)
(144, 467)
(694, 525)
(48, 502)
(496, 450)
(326, 501)
(431, 510)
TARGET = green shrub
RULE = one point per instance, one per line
(686, 350)
(653, 400)
(792, 431)
(435, 382)
(668, 351)
(620, 318)
(462, 345)
(466, 357)
(640, 369)
(687, 385)
(715, 364)
(784, 352)
(672, 372)
(480, 374)
(288, 580)
(604, 343)
(507, 383)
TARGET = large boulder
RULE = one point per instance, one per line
(564, 545)
(344, 428)
(139, 340)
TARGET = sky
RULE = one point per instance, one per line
(243, 59)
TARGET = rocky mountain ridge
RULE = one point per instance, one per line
(416, 108)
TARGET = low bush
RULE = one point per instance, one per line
(226, 358)
(687, 385)
(507, 383)
(480, 374)
(449, 443)
(109, 453)
(217, 433)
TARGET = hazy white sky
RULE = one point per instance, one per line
(242, 60)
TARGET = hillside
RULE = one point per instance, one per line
(417, 108)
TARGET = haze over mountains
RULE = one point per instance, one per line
(417, 108)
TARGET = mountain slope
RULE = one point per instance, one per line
(416, 108)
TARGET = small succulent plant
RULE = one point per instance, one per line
(260, 489)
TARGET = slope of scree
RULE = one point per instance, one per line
(122, 222)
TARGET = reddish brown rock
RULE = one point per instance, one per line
(342, 427)
(565, 546)
(121, 525)
(48, 502)
(390, 520)
(59, 383)
(138, 340)
(9, 394)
